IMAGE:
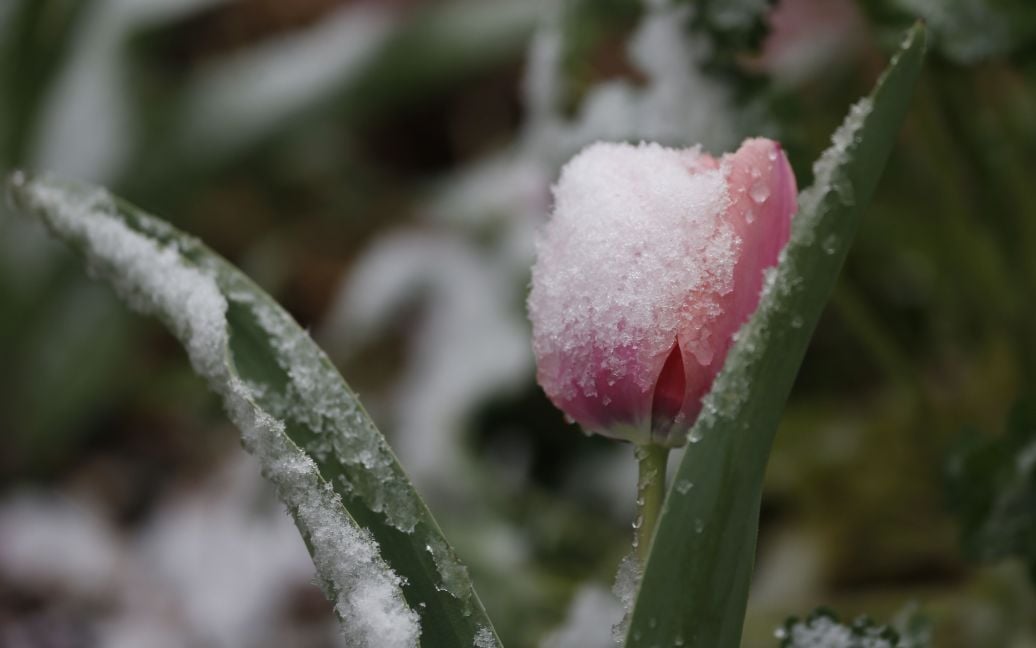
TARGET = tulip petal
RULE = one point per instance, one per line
(647, 246)
(762, 199)
(669, 394)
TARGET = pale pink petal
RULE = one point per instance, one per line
(762, 199)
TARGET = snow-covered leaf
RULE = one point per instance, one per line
(381, 558)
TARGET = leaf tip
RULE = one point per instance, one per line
(916, 38)
(920, 31)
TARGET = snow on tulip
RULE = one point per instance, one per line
(651, 261)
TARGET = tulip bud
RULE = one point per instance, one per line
(652, 260)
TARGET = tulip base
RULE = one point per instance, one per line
(651, 460)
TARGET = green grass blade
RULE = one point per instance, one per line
(36, 39)
(695, 584)
(379, 554)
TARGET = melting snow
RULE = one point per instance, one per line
(453, 573)
(484, 638)
(316, 398)
(627, 582)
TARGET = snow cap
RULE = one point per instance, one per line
(652, 260)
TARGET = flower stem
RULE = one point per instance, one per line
(651, 460)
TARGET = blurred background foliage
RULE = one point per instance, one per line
(381, 168)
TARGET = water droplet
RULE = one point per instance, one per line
(694, 436)
(796, 322)
(760, 191)
(699, 526)
(749, 216)
(638, 522)
(772, 154)
(684, 486)
(830, 244)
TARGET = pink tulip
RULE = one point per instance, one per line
(652, 260)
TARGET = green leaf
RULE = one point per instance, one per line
(379, 554)
(35, 38)
(991, 486)
(42, 408)
(695, 584)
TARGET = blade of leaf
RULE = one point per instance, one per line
(372, 539)
(695, 585)
(35, 40)
(40, 404)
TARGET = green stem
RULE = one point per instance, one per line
(651, 460)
